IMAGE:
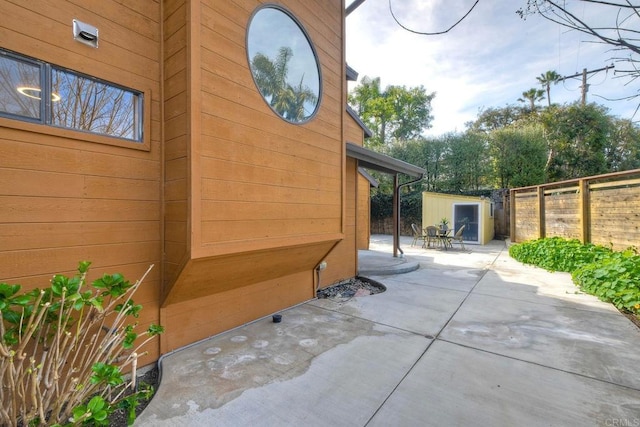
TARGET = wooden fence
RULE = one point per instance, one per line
(603, 209)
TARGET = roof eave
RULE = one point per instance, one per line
(372, 160)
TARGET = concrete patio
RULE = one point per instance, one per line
(470, 338)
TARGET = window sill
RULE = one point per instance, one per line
(44, 129)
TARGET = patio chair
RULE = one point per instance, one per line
(457, 238)
(417, 235)
(432, 235)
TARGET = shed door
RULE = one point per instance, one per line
(467, 214)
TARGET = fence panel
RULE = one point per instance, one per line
(562, 215)
(615, 216)
(603, 209)
(527, 226)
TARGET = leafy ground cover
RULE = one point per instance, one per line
(612, 276)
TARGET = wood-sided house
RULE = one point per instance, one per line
(209, 138)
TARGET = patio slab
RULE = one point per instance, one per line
(315, 368)
(470, 338)
(411, 307)
(594, 344)
(455, 385)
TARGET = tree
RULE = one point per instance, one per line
(397, 113)
(546, 80)
(532, 96)
(427, 153)
(466, 161)
(622, 148)
(518, 156)
(493, 118)
(271, 78)
(576, 136)
(615, 23)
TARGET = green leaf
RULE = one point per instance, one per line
(21, 300)
(79, 413)
(129, 339)
(155, 330)
(83, 266)
(108, 374)
(58, 284)
(96, 404)
(11, 316)
(97, 303)
(7, 290)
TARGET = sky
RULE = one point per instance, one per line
(487, 60)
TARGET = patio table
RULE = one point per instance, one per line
(445, 238)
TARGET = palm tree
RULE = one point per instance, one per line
(272, 79)
(533, 95)
(546, 79)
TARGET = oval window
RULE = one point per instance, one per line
(283, 64)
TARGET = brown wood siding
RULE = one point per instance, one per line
(67, 199)
(262, 202)
(342, 262)
(355, 134)
(176, 155)
(259, 152)
(363, 232)
(210, 315)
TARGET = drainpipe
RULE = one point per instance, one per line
(396, 213)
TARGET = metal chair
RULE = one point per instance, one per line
(432, 235)
(417, 235)
(457, 238)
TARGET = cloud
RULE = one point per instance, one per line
(488, 60)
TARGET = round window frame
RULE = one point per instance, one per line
(304, 32)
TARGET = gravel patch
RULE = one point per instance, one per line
(354, 287)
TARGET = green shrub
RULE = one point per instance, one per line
(557, 254)
(63, 350)
(611, 276)
(615, 279)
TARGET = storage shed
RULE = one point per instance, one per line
(476, 213)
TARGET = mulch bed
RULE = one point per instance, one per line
(354, 287)
(152, 377)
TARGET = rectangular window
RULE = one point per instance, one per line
(76, 102)
(20, 87)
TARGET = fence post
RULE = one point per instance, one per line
(584, 211)
(512, 216)
(542, 229)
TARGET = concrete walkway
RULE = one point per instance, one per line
(470, 338)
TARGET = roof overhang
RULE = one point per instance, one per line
(358, 120)
(372, 181)
(369, 159)
(352, 75)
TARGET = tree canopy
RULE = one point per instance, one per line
(505, 147)
(393, 114)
